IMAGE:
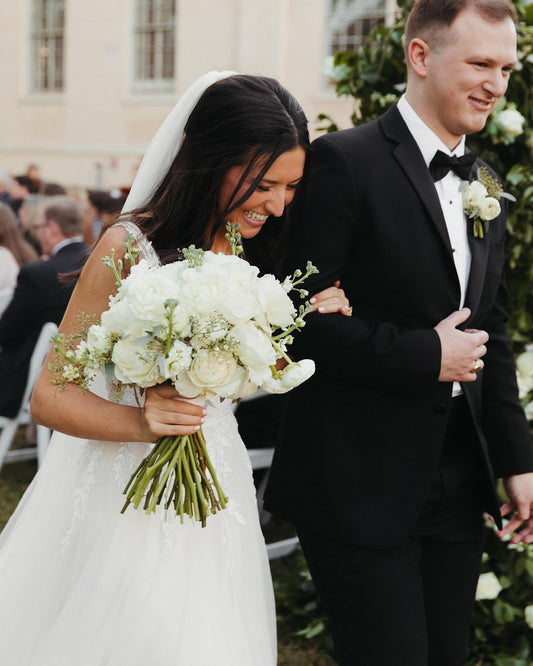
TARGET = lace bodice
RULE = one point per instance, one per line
(145, 247)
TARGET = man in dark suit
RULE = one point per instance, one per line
(389, 453)
(39, 296)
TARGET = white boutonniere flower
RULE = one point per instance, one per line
(481, 200)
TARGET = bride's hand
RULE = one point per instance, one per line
(165, 414)
(331, 299)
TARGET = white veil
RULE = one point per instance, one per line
(166, 142)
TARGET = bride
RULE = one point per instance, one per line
(81, 584)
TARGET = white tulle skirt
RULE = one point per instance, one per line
(83, 585)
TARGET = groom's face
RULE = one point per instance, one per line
(467, 72)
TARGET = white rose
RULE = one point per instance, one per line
(119, 318)
(474, 194)
(275, 302)
(488, 586)
(211, 373)
(528, 616)
(511, 121)
(489, 208)
(293, 375)
(135, 364)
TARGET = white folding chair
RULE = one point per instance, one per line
(10, 426)
(262, 459)
(5, 298)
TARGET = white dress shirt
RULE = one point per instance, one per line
(450, 197)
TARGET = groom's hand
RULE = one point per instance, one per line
(460, 350)
(519, 489)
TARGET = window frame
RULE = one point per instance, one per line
(158, 32)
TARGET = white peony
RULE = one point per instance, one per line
(147, 298)
(511, 121)
(253, 346)
(224, 284)
(488, 586)
(211, 372)
(474, 194)
(528, 616)
(275, 302)
(489, 208)
(136, 364)
(119, 319)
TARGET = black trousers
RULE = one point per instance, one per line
(410, 605)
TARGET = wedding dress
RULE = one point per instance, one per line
(83, 585)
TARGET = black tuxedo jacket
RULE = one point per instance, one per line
(361, 440)
(39, 297)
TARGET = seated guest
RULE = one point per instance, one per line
(14, 250)
(40, 295)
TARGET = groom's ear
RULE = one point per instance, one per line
(417, 54)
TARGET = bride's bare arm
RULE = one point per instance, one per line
(86, 415)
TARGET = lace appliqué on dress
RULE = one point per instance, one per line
(89, 463)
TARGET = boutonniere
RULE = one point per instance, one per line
(481, 200)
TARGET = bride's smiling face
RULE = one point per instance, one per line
(275, 191)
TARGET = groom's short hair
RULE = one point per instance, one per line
(428, 18)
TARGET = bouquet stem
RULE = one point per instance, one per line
(179, 470)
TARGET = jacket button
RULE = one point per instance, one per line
(441, 407)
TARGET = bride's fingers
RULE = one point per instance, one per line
(341, 305)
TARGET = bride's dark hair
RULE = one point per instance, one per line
(241, 120)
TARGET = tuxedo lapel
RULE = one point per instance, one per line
(410, 159)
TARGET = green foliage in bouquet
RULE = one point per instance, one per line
(374, 76)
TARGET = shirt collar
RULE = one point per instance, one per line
(63, 243)
(427, 140)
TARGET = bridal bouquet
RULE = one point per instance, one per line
(210, 326)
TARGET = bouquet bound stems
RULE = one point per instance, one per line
(179, 464)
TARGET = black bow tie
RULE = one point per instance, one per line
(442, 163)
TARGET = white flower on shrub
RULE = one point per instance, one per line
(524, 372)
(488, 586)
(528, 616)
(511, 121)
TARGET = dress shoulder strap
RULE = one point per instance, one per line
(145, 246)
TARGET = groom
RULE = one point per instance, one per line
(388, 454)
